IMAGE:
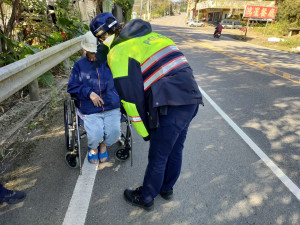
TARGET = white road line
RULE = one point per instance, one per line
(278, 172)
(80, 200)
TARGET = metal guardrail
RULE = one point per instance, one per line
(17, 75)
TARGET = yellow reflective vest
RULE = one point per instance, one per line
(138, 66)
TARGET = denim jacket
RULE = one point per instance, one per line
(92, 76)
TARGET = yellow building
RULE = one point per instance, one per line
(214, 11)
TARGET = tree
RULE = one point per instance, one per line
(289, 12)
(9, 23)
(126, 6)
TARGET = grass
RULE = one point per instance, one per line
(255, 36)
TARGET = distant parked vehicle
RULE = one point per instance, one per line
(195, 23)
(231, 24)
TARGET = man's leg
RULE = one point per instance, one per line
(167, 141)
(174, 163)
(93, 125)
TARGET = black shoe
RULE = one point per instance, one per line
(167, 194)
(12, 197)
(134, 197)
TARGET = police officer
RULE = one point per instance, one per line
(159, 93)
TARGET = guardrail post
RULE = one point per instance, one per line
(67, 66)
(34, 90)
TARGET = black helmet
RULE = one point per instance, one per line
(99, 24)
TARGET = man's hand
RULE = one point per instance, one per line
(96, 99)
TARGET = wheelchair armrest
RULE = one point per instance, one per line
(75, 99)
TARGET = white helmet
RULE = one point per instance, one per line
(89, 42)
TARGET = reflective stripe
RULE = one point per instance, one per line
(157, 56)
(135, 119)
(163, 71)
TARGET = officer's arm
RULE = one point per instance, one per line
(131, 92)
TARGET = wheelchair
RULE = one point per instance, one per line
(74, 131)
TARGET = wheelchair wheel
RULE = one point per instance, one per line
(72, 160)
(69, 124)
(123, 152)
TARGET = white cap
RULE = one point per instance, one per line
(89, 42)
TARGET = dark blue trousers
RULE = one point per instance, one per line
(165, 152)
(2, 191)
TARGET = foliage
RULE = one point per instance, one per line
(126, 6)
(32, 126)
(160, 8)
(68, 19)
(35, 30)
(46, 78)
(15, 51)
(53, 97)
(289, 12)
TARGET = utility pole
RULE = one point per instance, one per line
(141, 8)
(148, 9)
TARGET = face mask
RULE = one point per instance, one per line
(109, 40)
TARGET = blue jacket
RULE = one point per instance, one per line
(87, 77)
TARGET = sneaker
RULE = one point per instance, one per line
(12, 197)
(166, 194)
(134, 197)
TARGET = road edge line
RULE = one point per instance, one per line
(79, 203)
(276, 170)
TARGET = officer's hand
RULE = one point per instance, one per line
(96, 99)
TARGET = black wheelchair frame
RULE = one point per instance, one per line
(73, 134)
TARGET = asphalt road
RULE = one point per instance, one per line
(241, 157)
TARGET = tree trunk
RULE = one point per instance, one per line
(99, 8)
(15, 16)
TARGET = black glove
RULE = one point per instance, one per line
(146, 138)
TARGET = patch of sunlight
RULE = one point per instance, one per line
(104, 165)
(275, 83)
(5, 208)
(277, 157)
(253, 188)
(280, 219)
(21, 183)
(231, 68)
(48, 135)
(208, 147)
(286, 200)
(281, 105)
(197, 126)
(255, 199)
(240, 209)
(116, 169)
(186, 175)
(295, 157)
(290, 139)
(156, 217)
(278, 131)
(295, 219)
(103, 199)
(218, 179)
(215, 79)
(22, 172)
(170, 206)
(222, 133)
(245, 207)
(181, 223)
(136, 212)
